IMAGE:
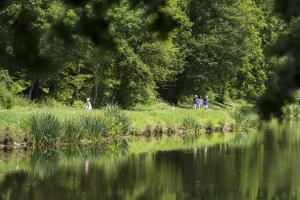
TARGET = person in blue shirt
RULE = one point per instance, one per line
(205, 102)
(196, 101)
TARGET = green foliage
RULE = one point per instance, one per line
(292, 110)
(6, 98)
(225, 59)
(44, 128)
(50, 102)
(6, 95)
(78, 104)
(116, 120)
(281, 90)
(243, 118)
(135, 52)
(191, 123)
(73, 129)
(5, 79)
(94, 126)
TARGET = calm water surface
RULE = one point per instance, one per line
(264, 165)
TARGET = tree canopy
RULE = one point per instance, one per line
(131, 52)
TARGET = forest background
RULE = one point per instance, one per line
(138, 52)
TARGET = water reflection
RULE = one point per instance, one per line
(251, 166)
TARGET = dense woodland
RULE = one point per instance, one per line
(131, 52)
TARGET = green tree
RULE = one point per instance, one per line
(226, 50)
(281, 90)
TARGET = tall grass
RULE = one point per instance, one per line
(190, 123)
(76, 124)
(243, 118)
(116, 120)
(94, 126)
(73, 129)
(6, 97)
(292, 110)
(44, 128)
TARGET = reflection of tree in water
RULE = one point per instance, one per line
(44, 162)
(110, 177)
(265, 169)
(13, 185)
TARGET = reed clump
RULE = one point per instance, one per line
(44, 128)
(292, 110)
(94, 126)
(243, 118)
(190, 123)
(116, 120)
(73, 129)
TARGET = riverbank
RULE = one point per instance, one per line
(42, 162)
(42, 124)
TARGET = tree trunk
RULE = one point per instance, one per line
(96, 91)
(34, 90)
(30, 89)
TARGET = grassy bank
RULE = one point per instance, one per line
(42, 124)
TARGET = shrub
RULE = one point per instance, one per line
(8, 101)
(242, 117)
(93, 125)
(116, 120)
(291, 110)
(23, 101)
(50, 102)
(296, 110)
(191, 123)
(44, 127)
(78, 104)
(73, 129)
(6, 79)
(6, 98)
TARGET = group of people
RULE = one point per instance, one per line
(199, 102)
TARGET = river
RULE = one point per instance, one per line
(261, 165)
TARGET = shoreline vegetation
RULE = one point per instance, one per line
(62, 125)
(39, 125)
(42, 161)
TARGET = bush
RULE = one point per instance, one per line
(191, 123)
(73, 129)
(50, 102)
(291, 110)
(6, 79)
(242, 117)
(6, 98)
(116, 120)
(93, 125)
(23, 101)
(8, 101)
(44, 128)
(78, 104)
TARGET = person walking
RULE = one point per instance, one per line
(88, 104)
(205, 102)
(196, 101)
(200, 102)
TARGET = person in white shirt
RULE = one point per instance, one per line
(88, 105)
